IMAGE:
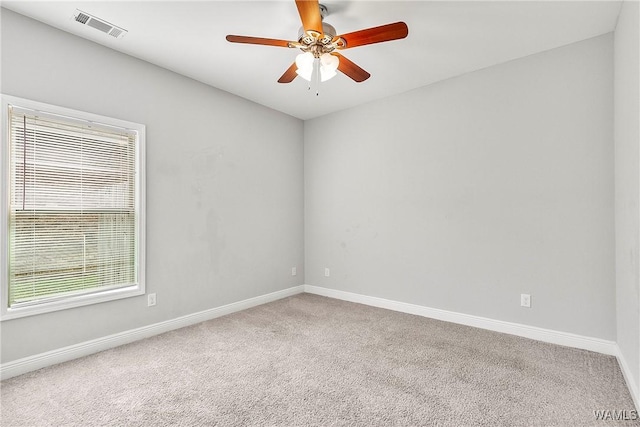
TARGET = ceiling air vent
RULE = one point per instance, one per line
(99, 24)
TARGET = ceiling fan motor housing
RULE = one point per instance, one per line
(309, 38)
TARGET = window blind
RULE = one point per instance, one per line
(72, 219)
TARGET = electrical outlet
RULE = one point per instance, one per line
(525, 300)
(327, 272)
(294, 271)
(151, 300)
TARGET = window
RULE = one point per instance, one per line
(73, 211)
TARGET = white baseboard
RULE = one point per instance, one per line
(532, 332)
(628, 377)
(42, 360)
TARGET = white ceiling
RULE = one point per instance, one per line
(446, 39)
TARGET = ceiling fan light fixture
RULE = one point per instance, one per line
(329, 61)
(305, 74)
(326, 74)
(304, 64)
(328, 66)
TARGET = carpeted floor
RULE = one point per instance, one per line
(310, 360)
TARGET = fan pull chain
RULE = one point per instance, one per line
(316, 65)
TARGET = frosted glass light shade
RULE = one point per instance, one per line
(328, 66)
(326, 74)
(304, 64)
(329, 61)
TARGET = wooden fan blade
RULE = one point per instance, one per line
(351, 69)
(383, 33)
(289, 75)
(309, 11)
(258, 40)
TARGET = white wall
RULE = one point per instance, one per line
(224, 183)
(627, 187)
(463, 194)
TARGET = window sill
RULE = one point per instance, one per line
(71, 302)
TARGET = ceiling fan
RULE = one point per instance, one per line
(320, 45)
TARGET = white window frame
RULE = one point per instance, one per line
(7, 313)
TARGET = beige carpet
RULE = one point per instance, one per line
(310, 360)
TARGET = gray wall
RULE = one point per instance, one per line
(627, 181)
(224, 183)
(463, 194)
